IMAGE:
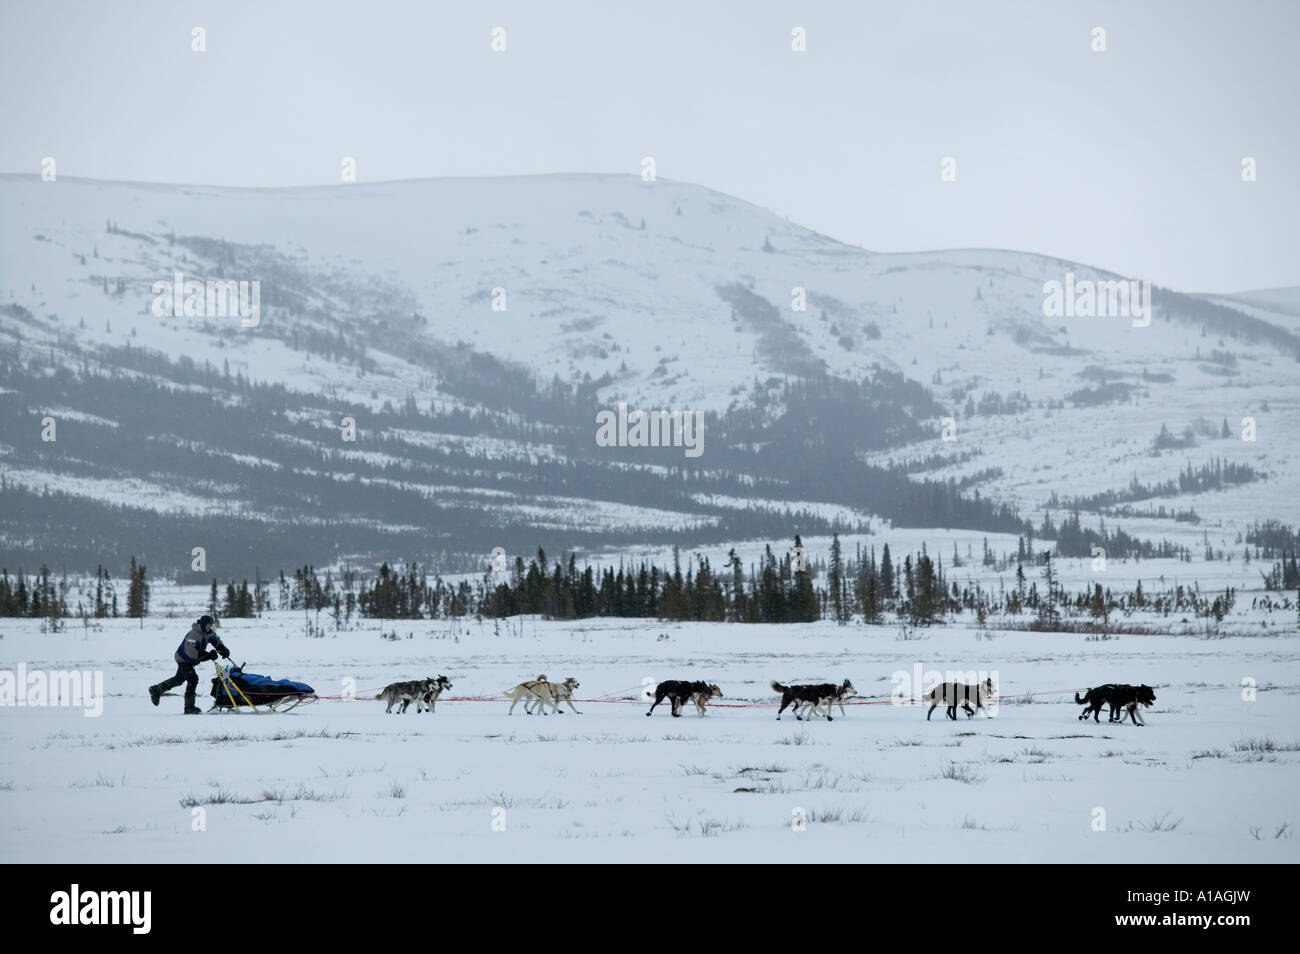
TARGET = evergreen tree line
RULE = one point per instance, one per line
(776, 591)
(779, 589)
(872, 588)
(1273, 539)
(1074, 540)
(1222, 320)
(42, 597)
(1214, 474)
(1284, 575)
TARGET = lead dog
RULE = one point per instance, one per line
(813, 696)
(954, 694)
(679, 692)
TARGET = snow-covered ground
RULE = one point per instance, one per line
(1211, 777)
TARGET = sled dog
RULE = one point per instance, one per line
(679, 692)
(417, 691)
(526, 692)
(1133, 697)
(1132, 709)
(701, 697)
(555, 693)
(841, 693)
(813, 696)
(1119, 697)
(954, 694)
(1093, 700)
(430, 700)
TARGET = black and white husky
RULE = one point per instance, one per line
(423, 692)
(841, 693)
(438, 687)
(1134, 713)
(813, 697)
(954, 694)
(679, 692)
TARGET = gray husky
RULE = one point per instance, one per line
(423, 692)
(954, 694)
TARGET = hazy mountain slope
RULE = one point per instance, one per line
(377, 303)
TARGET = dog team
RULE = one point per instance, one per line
(805, 701)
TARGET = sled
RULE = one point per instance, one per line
(234, 690)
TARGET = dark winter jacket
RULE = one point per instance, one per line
(195, 644)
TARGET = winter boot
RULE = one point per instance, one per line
(193, 710)
(154, 694)
(190, 707)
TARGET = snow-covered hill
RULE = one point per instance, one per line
(472, 327)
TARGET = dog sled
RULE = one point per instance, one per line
(234, 690)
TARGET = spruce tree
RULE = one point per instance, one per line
(1047, 611)
(871, 601)
(886, 574)
(835, 582)
(737, 610)
(804, 606)
(137, 597)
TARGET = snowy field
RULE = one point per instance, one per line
(1212, 777)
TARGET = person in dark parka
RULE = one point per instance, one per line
(192, 651)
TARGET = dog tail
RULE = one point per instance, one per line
(777, 686)
(1084, 700)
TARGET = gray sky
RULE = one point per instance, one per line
(1128, 159)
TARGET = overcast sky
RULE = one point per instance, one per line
(1128, 159)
